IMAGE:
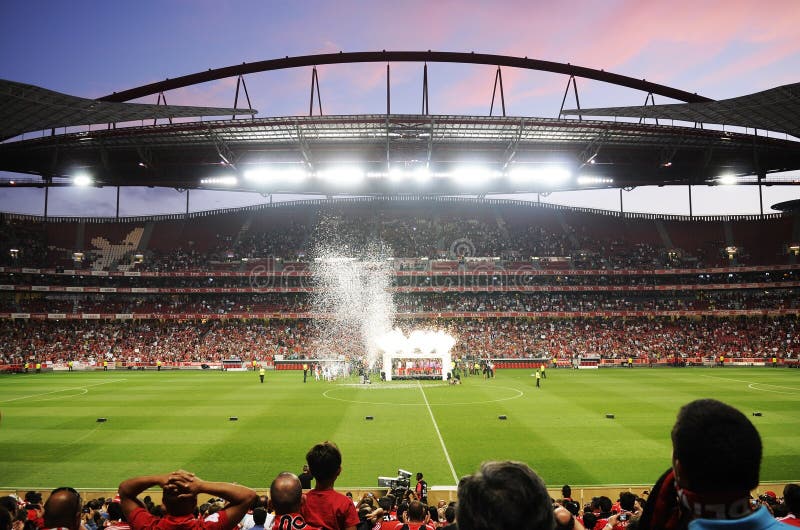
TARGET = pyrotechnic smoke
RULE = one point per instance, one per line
(353, 283)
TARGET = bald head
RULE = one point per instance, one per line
(63, 509)
(286, 493)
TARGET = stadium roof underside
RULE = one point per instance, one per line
(462, 155)
(25, 108)
(776, 109)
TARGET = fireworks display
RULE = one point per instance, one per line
(353, 291)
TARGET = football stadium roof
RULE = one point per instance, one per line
(776, 109)
(25, 108)
(379, 154)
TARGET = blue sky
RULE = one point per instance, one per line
(718, 49)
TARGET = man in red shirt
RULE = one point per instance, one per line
(324, 507)
(286, 496)
(179, 499)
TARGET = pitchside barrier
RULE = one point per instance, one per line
(293, 364)
(583, 495)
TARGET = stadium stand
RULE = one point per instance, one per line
(522, 281)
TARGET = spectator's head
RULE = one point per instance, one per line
(566, 491)
(589, 520)
(386, 503)
(177, 502)
(324, 462)
(602, 504)
(6, 519)
(286, 493)
(627, 500)
(259, 516)
(33, 498)
(715, 448)
(416, 512)
(433, 511)
(63, 509)
(450, 514)
(114, 511)
(791, 496)
(564, 518)
(503, 495)
(9, 503)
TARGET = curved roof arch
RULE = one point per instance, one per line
(403, 56)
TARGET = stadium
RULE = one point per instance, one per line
(136, 342)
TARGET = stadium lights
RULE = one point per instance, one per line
(220, 181)
(588, 180)
(82, 180)
(268, 175)
(397, 174)
(471, 175)
(342, 175)
(551, 175)
(726, 179)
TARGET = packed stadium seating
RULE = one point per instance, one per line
(530, 280)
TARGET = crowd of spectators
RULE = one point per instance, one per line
(647, 339)
(531, 302)
(450, 233)
(714, 446)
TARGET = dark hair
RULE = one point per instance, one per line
(503, 495)
(717, 447)
(627, 501)
(259, 516)
(566, 491)
(115, 511)
(419, 476)
(434, 513)
(450, 514)
(589, 520)
(33, 497)
(416, 511)
(9, 503)
(603, 503)
(791, 496)
(324, 461)
(5, 519)
(386, 503)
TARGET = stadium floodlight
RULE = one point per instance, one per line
(271, 175)
(228, 180)
(421, 174)
(726, 179)
(473, 175)
(589, 180)
(82, 179)
(343, 175)
(549, 175)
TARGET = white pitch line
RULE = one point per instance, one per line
(61, 390)
(752, 385)
(439, 434)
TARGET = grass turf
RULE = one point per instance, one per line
(160, 421)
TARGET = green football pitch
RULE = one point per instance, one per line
(161, 421)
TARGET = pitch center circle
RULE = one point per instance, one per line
(390, 394)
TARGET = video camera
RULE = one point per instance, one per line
(401, 481)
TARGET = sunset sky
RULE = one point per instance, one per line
(718, 49)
